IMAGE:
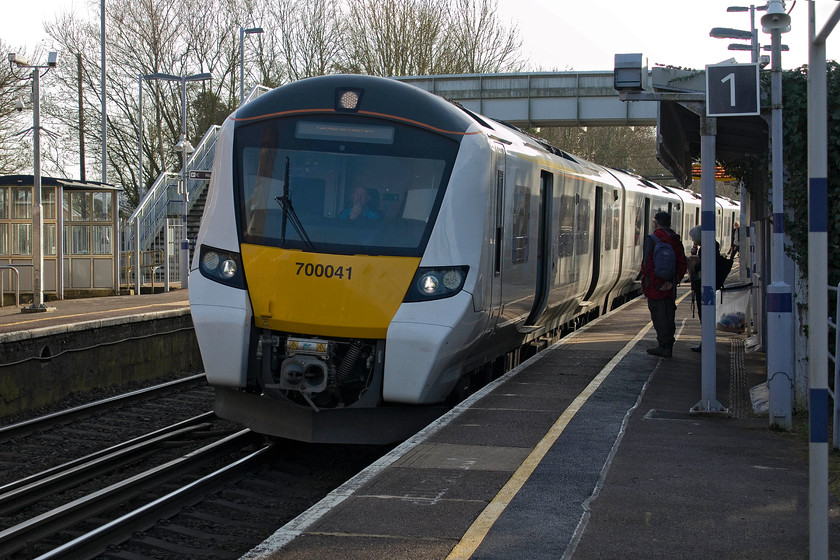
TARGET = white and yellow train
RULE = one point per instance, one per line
(369, 251)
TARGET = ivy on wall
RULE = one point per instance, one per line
(795, 119)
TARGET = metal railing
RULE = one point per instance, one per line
(201, 159)
(153, 210)
(150, 261)
(17, 284)
(163, 261)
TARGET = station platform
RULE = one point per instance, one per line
(88, 312)
(116, 341)
(586, 451)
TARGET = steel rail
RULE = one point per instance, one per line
(19, 494)
(42, 422)
(96, 542)
(60, 518)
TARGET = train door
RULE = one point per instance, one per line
(544, 257)
(494, 276)
(599, 232)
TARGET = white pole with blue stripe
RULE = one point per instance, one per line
(779, 295)
(708, 389)
(818, 285)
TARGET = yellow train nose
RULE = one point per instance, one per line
(349, 296)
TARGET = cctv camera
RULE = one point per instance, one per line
(20, 60)
(19, 105)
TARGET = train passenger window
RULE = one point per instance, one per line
(616, 225)
(582, 232)
(637, 234)
(521, 222)
(606, 224)
(567, 222)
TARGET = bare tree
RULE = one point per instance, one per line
(415, 37)
(310, 37)
(392, 37)
(146, 37)
(15, 145)
(142, 39)
(477, 42)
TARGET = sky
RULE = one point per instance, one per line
(576, 35)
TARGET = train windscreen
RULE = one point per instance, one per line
(341, 185)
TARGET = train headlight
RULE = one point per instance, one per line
(429, 284)
(228, 269)
(222, 266)
(347, 99)
(436, 283)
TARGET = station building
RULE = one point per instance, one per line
(89, 221)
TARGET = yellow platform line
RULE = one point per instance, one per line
(485, 521)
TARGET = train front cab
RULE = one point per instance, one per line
(323, 289)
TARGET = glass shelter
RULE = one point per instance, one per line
(88, 218)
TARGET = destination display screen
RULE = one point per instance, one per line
(345, 132)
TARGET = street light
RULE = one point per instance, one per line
(37, 205)
(185, 148)
(729, 33)
(242, 33)
(751, 35)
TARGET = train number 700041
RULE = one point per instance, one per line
(324, 271)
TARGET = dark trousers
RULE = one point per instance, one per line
(663, 313)
(698, 304)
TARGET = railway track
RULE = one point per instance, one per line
(38, 444)
(155, 475)
(47, 530)
(47, 421)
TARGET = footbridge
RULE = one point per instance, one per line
(530, 100)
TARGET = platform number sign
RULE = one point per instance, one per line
(732, 90)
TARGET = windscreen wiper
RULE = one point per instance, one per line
(285, 203)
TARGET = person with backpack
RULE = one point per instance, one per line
(723, 266)
(663, 268)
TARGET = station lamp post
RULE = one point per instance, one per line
(242, 32)
(37, 206)
(779, 295)
(186, 149)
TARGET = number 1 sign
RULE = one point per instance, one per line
(732, 90)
